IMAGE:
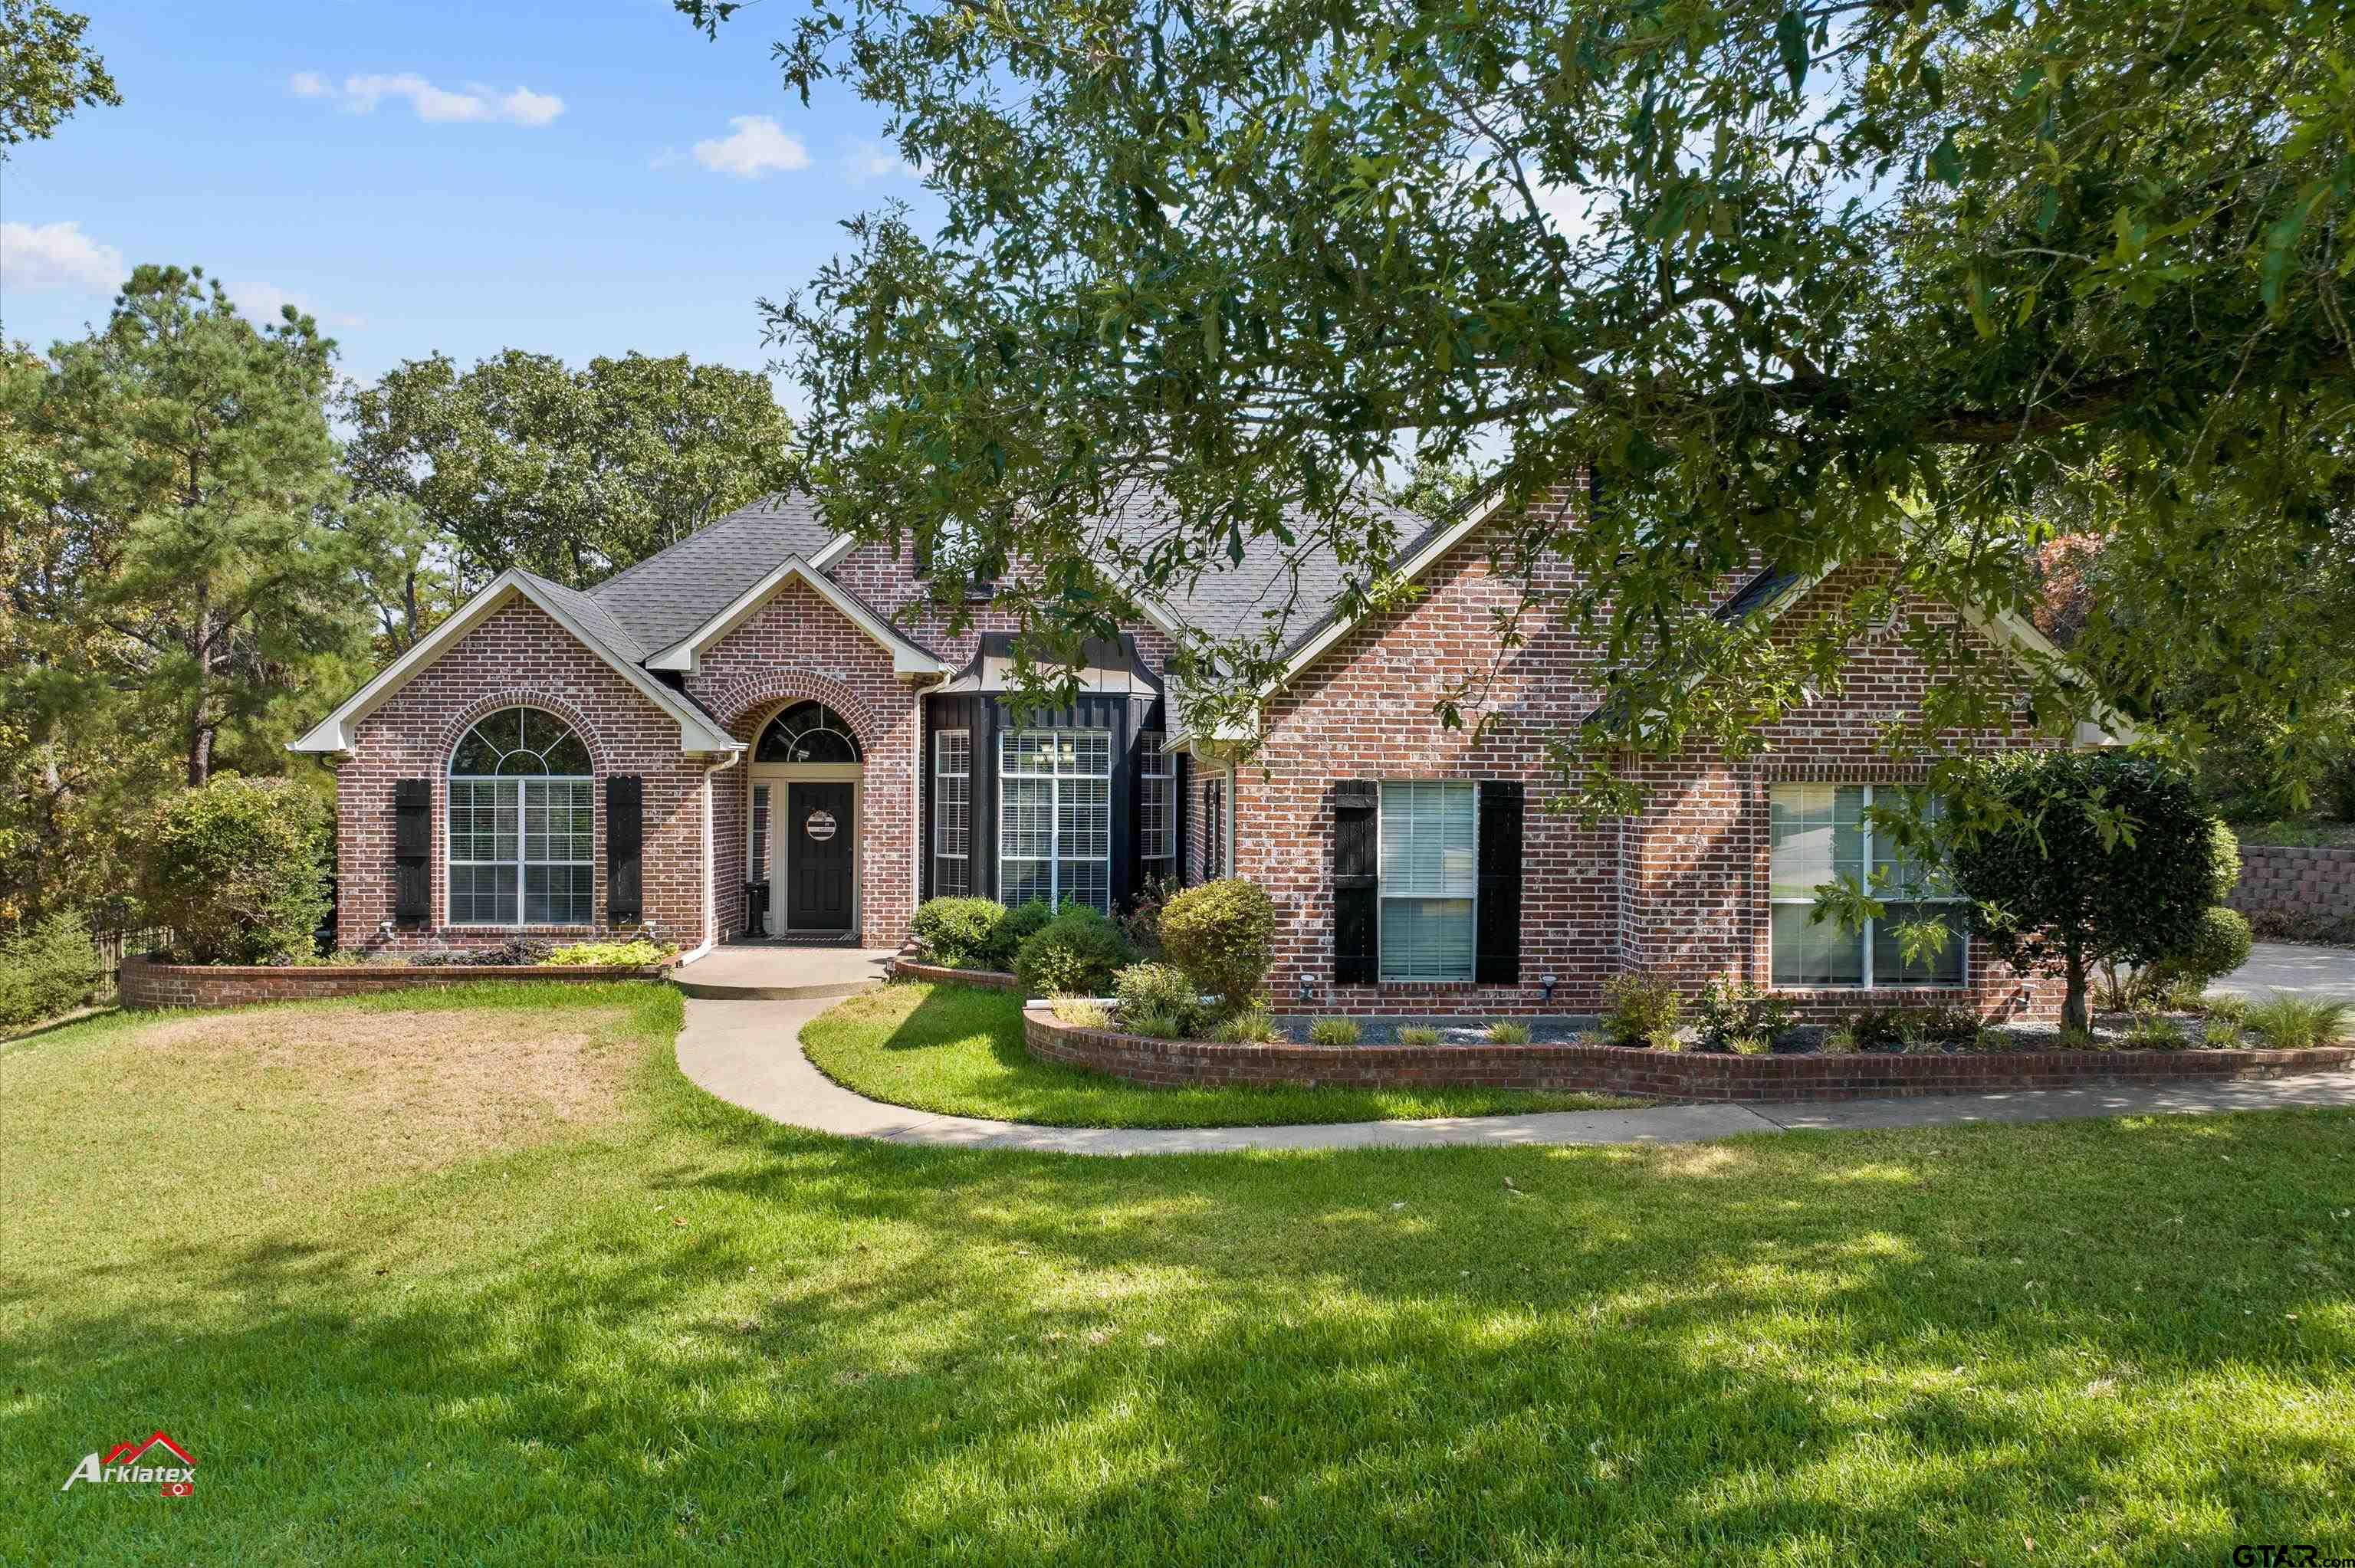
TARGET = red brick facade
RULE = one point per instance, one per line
(1679, 890)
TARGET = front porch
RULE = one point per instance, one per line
(782, 969)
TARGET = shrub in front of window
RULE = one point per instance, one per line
(1074, 954)
(615, 955)
(1222, 934)
(959, 932)
(1160, 1001)
(2084, 858)
(515, 953)
(1639, 1010)
(1016, 927)
(236, 869)
(46, 969)
(1736, 1011)
(1140, 922)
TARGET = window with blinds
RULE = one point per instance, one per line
(1156, 806)
(952, 813)
(523, 816)
(1820, 833)
(1430, 880)
(1054, 817)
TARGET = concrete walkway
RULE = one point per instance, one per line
(2324, 974)
(749, 1052)
(742, 971)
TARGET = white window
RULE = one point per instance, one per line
(1214, 827)
(1156, 806)
(1054, 817)
(523, 824)
(952, 813)
(1430, 880)
(1820, 833)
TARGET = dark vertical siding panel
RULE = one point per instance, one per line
(1497, 945)
(412, 851)
(1356, 883)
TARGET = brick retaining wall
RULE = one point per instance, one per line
(1618, 1069)
(2295, 890)
(146, 984)
(988, 979)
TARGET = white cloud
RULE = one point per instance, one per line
(758, 146)
(472, 103)
(58, 256)
(262, 301)
(878, 161)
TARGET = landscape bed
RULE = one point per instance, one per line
(1689, 1074)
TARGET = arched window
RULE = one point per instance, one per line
(807, 732)
(523, 824)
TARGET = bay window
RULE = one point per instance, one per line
(1054, 817)
(1820, 833)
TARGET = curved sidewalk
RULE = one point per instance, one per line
(748, 1054)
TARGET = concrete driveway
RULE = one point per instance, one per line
(2325, 973)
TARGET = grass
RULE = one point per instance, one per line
(661, 1330)
(2297, 832)
(958, 1050)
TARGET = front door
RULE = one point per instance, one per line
(820, 842)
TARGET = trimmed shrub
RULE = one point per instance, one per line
(46, 969)
(1016, 927)
(1505, 1033)
(2223, 862)
(236, 870)
(1333, 1031)
(1420, 1035)
(1732, 1010)
(1076, 953)
(1159, 1000)
(1638, 1010)
(635, 954)
(1223, 934)
(2220, 944)
(960, 933)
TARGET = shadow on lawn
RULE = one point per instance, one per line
(858, 1352)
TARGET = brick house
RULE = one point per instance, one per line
(768, 731)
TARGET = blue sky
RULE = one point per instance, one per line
(578, 180)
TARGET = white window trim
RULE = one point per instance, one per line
(1382, 877)
(1054, 856)
(451, 862)
(1865, 936)
(939, 773)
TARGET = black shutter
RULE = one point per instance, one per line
(412, 848)
(1356, 883)
(625, 838)
(1498, 941)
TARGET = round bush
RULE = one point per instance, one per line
(236, 870)
(1162, 996)
(2221, 945)
(960, 933)
(1222, 934)
(1019, 925)
(1074, 954)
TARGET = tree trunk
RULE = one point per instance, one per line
(2074, 1014)
(200, 717)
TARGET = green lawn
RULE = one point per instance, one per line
(958, 1050)
(405, 1306)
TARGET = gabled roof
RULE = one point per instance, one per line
(588, 624)
(907, 656)
(671, 593)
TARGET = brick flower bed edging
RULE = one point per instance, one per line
(146, 984)
(1630, 1070)
(989, 979)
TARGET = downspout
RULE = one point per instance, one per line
(710, 893)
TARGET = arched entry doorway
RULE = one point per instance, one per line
(803, 824)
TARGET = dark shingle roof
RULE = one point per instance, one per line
(594, 616)
(668, 595)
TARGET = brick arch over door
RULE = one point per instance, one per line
(754, 700)
(475, 712)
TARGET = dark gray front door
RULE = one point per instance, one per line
(821, 839)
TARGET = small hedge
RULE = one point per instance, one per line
(1075, 953)
(47, 970)
(236, 870)
(960, 933)
(1222, 934)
